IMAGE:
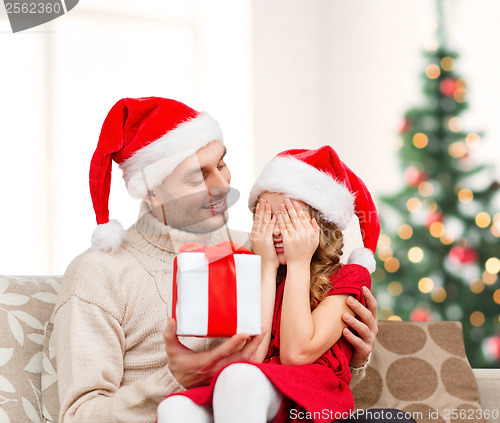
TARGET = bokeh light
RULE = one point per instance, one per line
(483, 219)
(455, 124)
(432, 71)
(465, 196)
(489, 278)
(391, 265)
(473, 140)
(415, 254)
(438, 295)
(420, 140)
(425, 285)
(492, 265)
(457, 149)
(476, 286)
(477, 318)
(395, 288)
(447, 63)
(384, 253)
(437, 229)
(426, 189)
(405, 231)
(496, 296)
(413, 205)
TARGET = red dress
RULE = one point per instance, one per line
(320, 388)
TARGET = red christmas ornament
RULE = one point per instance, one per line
(414, 176)
(463, 255)
(491, 348)
(405, 126)
(448, 87)
(432, 218)
(420, 315)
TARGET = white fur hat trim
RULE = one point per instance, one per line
(301, 181)
(364, 257)
(108, 237)
(158, 159)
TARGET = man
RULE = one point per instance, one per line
(112, 361)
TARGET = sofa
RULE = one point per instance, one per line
(420, 368)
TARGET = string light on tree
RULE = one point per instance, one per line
(426, 285)
(447, 63)
(432, 71)
(477, 286)
(455, 124)
(465, 195)
(495, 228)
(405, 231)
(420, 140)
(425, 189)
(414, 204)
(496, 296)
(395, 288)
(437, 229)
(477, 318)
(415, 254)
(458, 149)
(492, 265)
(438, 295)
(483, 219)
(473, 140)
(489, 278)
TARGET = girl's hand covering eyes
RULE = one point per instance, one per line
(300, 233)
(261, 237)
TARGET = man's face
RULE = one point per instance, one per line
(194, 195)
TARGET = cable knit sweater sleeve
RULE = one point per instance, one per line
(111, 361)
(90, 343)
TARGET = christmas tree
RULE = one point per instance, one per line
(438, 257)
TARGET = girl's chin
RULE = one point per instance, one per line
(282, 259)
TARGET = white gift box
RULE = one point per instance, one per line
(216, 291)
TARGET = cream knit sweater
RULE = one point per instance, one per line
(109, 323)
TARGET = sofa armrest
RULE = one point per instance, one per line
(488, 385)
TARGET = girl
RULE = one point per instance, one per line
(302, 201)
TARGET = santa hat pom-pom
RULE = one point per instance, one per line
(363, 257)
(108, 237)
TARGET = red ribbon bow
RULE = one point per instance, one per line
(222, 295)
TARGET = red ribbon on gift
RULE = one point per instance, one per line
(222, 295)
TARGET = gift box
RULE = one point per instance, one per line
(216, 290)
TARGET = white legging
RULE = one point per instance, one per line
(242, 393)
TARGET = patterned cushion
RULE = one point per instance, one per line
(421, 368)
(50, 394)
(26, 304)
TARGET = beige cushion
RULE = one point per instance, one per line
(421, 367)
(25, 307)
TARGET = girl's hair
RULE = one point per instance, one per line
(325, 260)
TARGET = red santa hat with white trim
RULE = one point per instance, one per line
(322, 180)
(147, 137)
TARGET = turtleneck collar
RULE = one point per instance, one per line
(166, 238)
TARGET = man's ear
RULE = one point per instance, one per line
(152, 199)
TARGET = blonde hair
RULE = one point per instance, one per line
(325, 260)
